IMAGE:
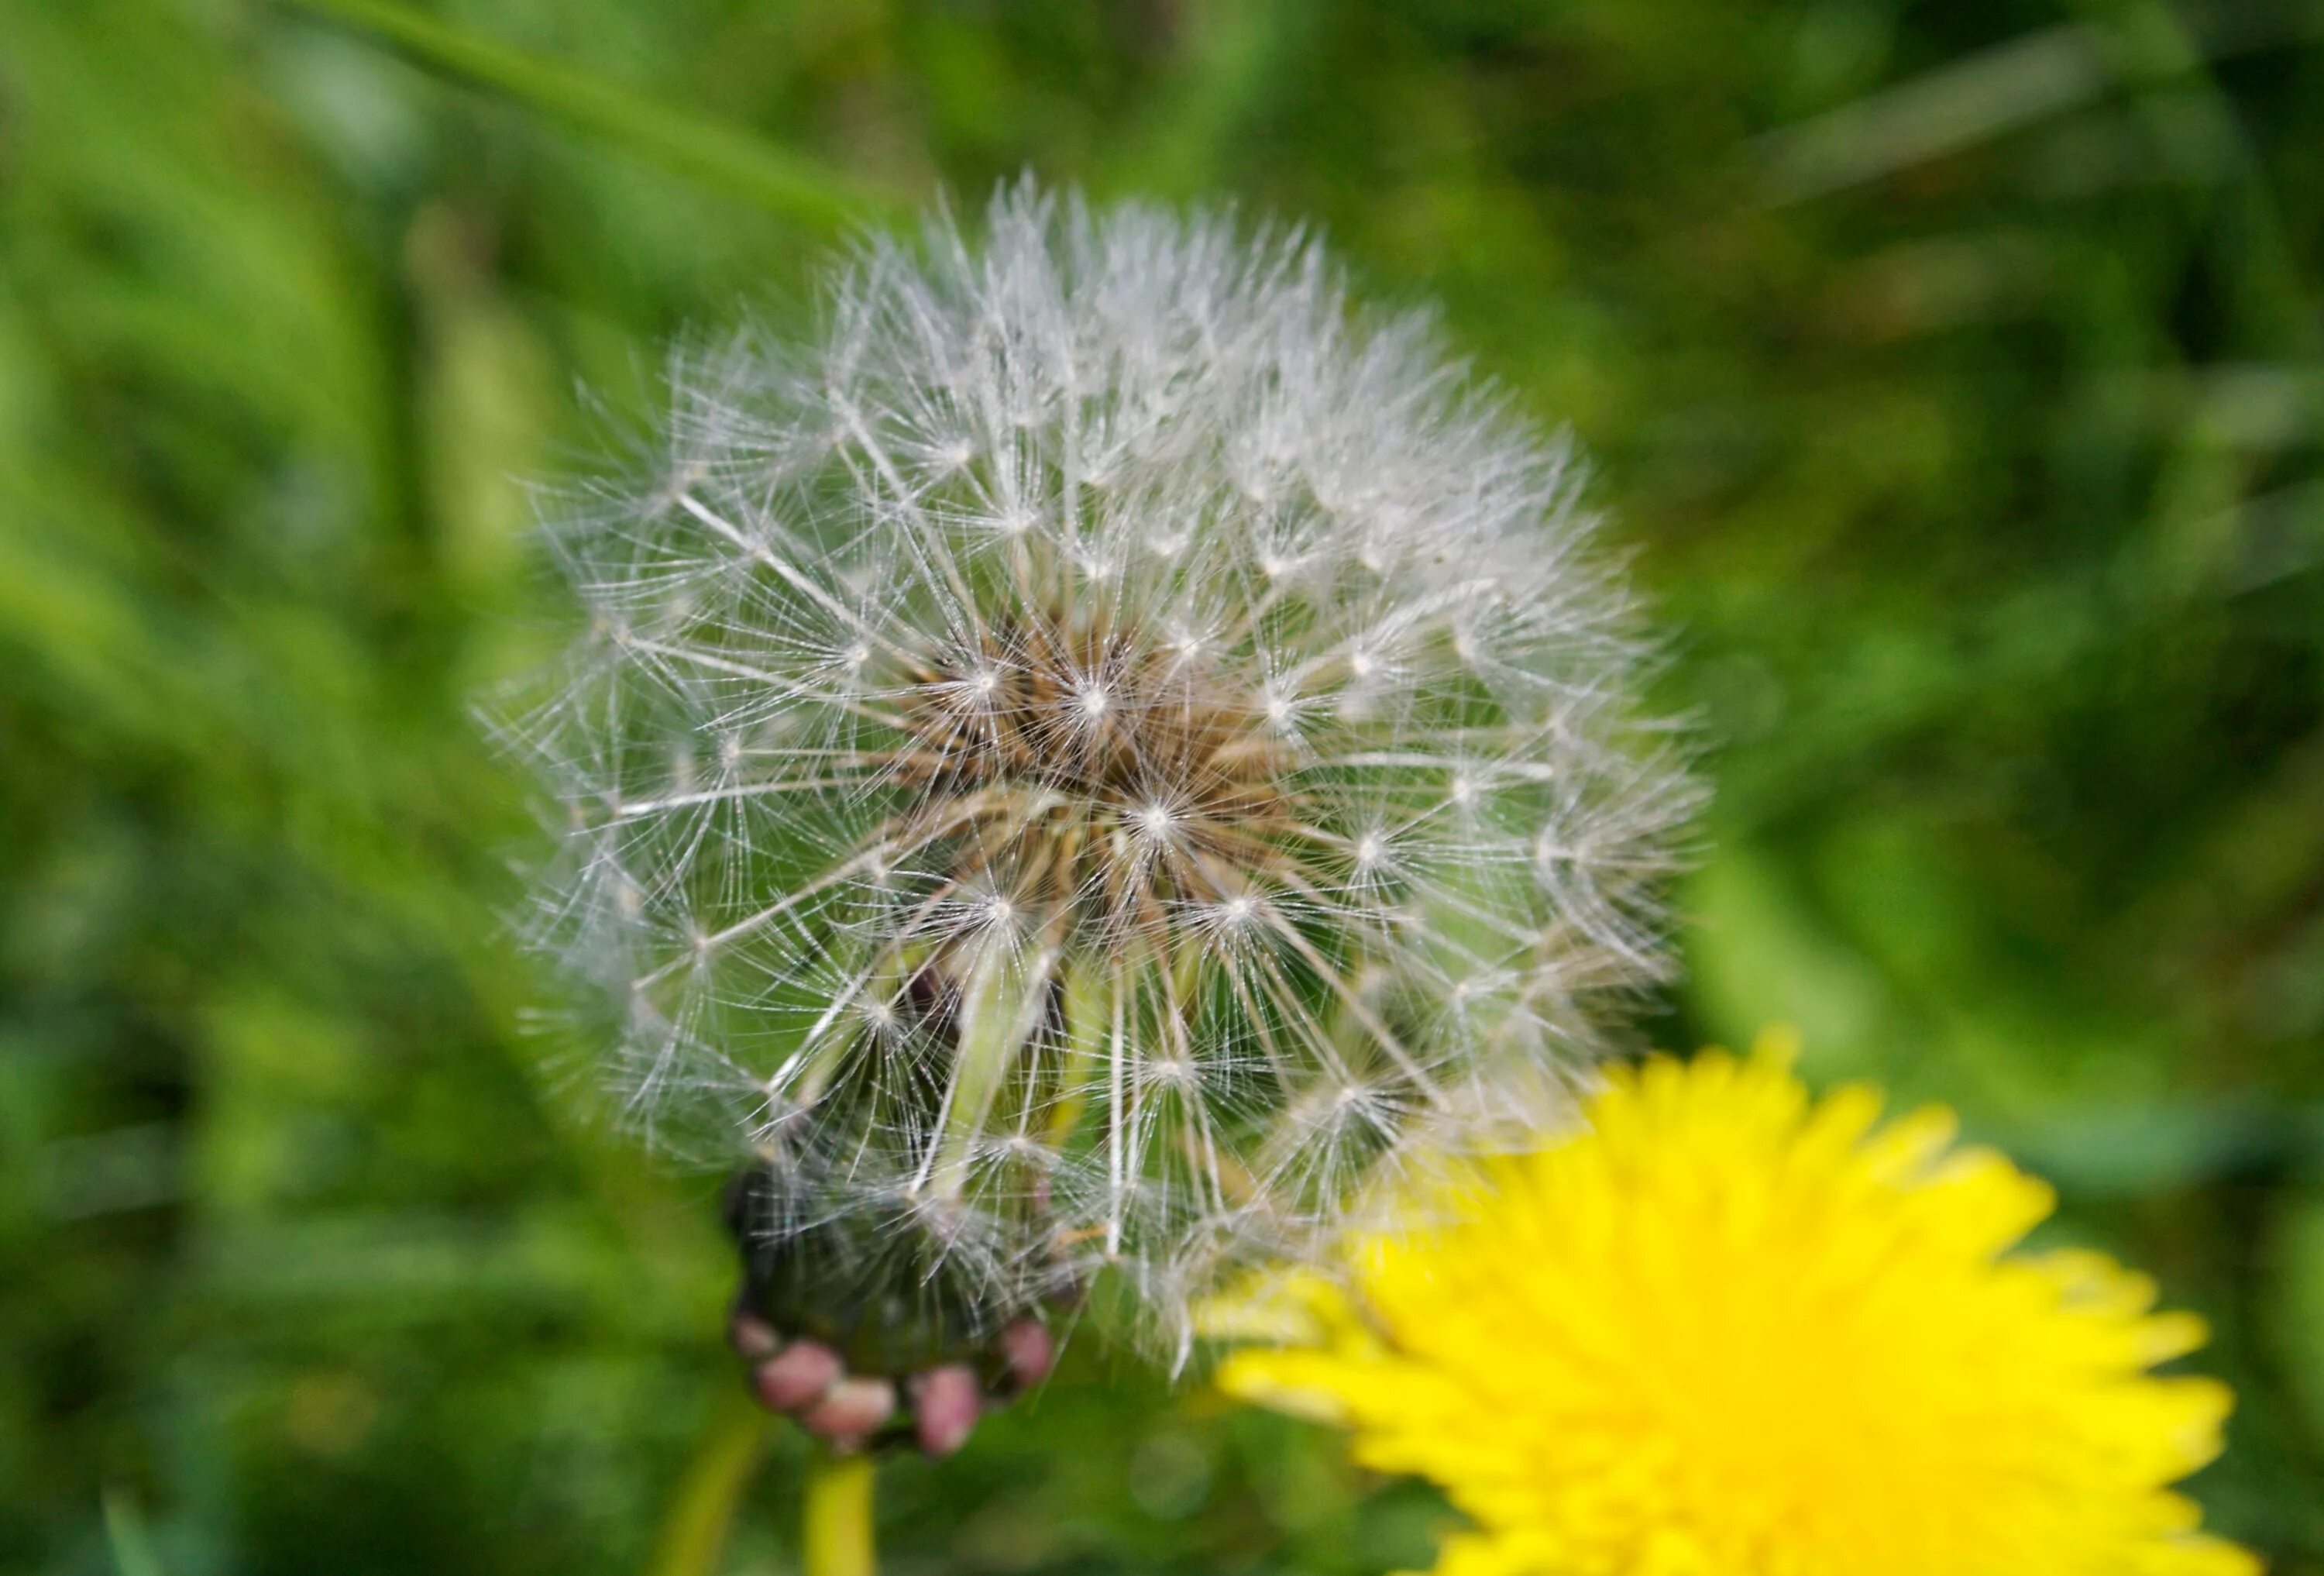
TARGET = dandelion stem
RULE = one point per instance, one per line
(836, 1540)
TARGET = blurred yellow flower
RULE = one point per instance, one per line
(1728, 1331)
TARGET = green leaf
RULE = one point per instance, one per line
(124, 1531)
(706, 150)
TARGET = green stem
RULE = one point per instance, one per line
(837, 1540)
(694, 1531)
(707, 150)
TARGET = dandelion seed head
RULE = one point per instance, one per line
(1018, 738)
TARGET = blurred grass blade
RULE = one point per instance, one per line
(694, 1531)
(707, 150)
(1982, 96)
(1955, 107)
(124, 1531)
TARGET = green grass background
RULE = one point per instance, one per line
(1955, 368)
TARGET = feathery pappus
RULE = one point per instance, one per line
(1084, 763)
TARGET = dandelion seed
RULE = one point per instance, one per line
(1063, 889)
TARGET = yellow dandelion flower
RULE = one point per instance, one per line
(1729, 1331)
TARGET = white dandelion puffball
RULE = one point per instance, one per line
(1082, 764)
